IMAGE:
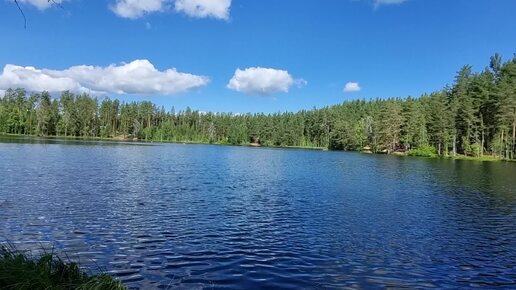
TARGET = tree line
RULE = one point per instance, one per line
(474, 116)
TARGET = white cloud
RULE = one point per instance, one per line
(262, 81)
(387, 2)
(134, 9)
(204, 8)
(33, 79)
(136, 77)
(352, 87)
(138, 8)
(40, 4)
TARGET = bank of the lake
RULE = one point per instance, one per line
(135, 140)
(131, 140)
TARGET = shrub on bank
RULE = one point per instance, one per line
(18, 271)
(472, 149)
(425, 151)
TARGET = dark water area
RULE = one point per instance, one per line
(173, 216)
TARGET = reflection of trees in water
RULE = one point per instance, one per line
(495, 179)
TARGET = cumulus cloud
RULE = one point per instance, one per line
(136, 77)
(262, 81)
(134, 9)
(204, 8)
(137, 8)
(352, 87)
(40, 4)
(33, 79)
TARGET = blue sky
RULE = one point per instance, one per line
(250, 56)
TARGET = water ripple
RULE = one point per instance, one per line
(208, 217)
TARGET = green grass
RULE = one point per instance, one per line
(47, 271)
(304, 147)
(425, 151)
(430, 152)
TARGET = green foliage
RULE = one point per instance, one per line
(18, 271)
(473, 150)
(475, 116)
(424, 151)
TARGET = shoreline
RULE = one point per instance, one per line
(129, 140)
(485, 158)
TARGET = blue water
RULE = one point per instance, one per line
(175, 216)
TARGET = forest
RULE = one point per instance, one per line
(475, 116)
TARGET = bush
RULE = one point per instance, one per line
(18, 271)
(425, 151)
(472, 149)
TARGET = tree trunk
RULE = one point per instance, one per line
(513, 138)
(454, 145)
(482, 136)
(482, 144)
(501, 145)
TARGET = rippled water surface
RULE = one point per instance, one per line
(196, 216)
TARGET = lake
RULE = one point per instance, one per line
(175, 216)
